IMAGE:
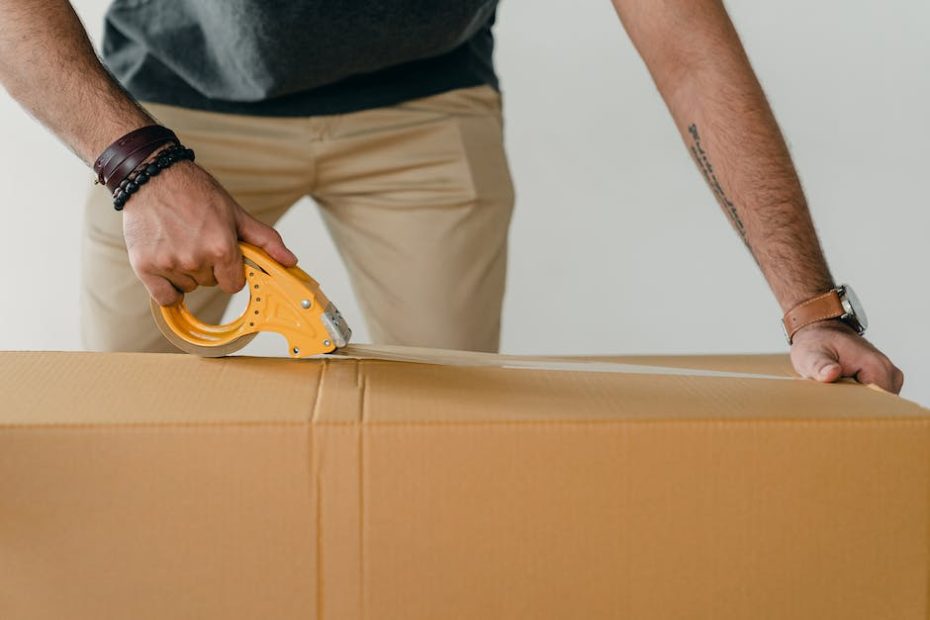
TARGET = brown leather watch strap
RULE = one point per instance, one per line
(819, 308)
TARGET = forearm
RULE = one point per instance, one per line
(48, 64)
(706, 80)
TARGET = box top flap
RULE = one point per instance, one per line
(75, 388)
(55, 388)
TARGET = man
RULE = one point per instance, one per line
(387, 114)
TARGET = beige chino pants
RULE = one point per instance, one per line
(417, 198)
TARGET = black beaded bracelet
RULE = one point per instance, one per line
(141, 175)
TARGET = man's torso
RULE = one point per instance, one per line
(297, 58)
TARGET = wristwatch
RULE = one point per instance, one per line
(838, 303)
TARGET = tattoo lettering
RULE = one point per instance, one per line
(700, 156)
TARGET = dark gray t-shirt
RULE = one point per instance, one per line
(293, 58)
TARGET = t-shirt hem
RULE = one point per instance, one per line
(310, 103)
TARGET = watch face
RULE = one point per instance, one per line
(854, 309)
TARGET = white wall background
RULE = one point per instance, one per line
(613, 219)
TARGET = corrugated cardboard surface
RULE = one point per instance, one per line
(166, 486)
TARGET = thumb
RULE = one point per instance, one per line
(267, 238)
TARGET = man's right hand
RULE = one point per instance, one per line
(182, 230)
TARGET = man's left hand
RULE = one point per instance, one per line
(830, 350)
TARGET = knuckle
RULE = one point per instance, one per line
(162, 263)
(188, 263)
(221, 252)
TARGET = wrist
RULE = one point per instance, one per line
(104, 136)
(832, 325)
(123, 156)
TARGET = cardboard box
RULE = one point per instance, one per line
(166, 486)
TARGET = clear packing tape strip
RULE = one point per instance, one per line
(444, 357)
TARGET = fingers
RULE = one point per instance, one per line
(168, 274)
(168, 289)
(182, 282)
(827, 353)
(227, 269)
(212, 262)
(188, 236)
(898, 380)
(253, 231)
(161, 290)
(204, 276)
(881, 372)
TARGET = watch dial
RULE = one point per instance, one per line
(856, 306)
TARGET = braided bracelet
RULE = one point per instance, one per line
(141, 175)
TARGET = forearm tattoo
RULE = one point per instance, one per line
(700, 156)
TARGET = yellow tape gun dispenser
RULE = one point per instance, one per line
(281, 299)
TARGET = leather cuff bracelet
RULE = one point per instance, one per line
(123, 156)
